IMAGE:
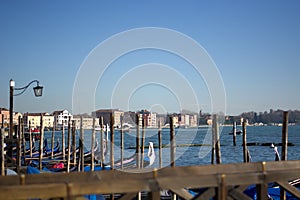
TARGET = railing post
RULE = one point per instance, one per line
(262, 189)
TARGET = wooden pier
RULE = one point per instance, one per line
(216, 181)
(224, 181)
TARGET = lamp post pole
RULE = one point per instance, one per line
(11, 107)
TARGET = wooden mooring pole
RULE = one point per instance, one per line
(137, 141)
(234, 133)
(81, 144)
(213, 145)
(102, 140)
(2, 149)
(284, 146)
(74, 141)
(41, 142)
(112, 141)
(93, 145)
(122, 142)
(143, 141)
(69, 145)
(172, 143)
(172, 149)
(245, 151)
(52, 139)
(217, 139)
(112, 146)
(30, 140)
(63, 143)
(19, 144)
(160, 143)
(23, 137)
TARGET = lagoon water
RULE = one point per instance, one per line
(201, 155)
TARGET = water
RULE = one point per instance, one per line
(201, 155)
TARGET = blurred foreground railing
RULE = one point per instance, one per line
(222, 181)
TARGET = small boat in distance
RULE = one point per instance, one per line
(238, 132)
(35, 133)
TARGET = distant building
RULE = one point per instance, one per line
(34, 120)
(183, 120)
(193, 120)
(106, 113)
(149, 118)
(61, 117)
(87, 122)
(4, 117)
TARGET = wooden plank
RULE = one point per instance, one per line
(155, 195)
(238, 193)
(291, 189)
(208, 194)
(183, 193)
(33, 191)
(262, 191)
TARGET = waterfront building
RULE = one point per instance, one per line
(4, 117)
(183, 120)
(34, 120)
(87, 122)
(61, 117)
(105, 113)
(193, 120)
(149, 118)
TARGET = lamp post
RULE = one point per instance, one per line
(38, 91)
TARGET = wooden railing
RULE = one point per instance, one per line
(223, 181)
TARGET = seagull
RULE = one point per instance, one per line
(277, 157)
(151, 154)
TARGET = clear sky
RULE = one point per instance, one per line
(255, 46)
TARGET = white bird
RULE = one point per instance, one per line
(151, 154)
(277, 156)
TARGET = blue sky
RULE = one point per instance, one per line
(255, 46)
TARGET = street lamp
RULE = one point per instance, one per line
(38, 91)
